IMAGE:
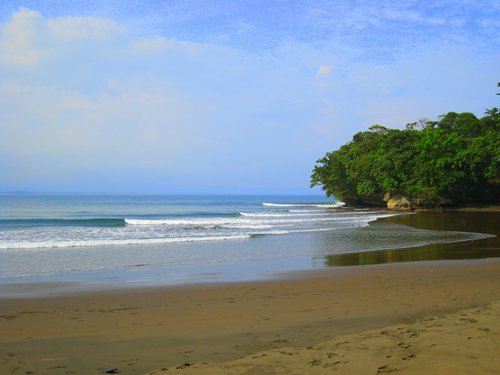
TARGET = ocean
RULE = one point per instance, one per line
(182, 239)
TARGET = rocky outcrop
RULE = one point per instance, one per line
(398, 202)
(433, 203)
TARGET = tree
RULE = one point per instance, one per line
(453, 160)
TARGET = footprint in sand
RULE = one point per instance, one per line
(386, 368)
(404, 345)
(184, 365)
(468, 320)
(8, 317)
(409, 357)
(333, 355)
(315, 362)
(280, 341)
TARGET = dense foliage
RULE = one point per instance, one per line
(451, 161)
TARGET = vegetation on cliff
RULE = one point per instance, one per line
(454, 160)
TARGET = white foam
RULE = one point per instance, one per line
(175, 230)
(185, 222)
(326, 205)
(250, 226)
(222, 222)
(303, 210)
(290, 231)
(290, 214)
(135, 241)
(318, 211)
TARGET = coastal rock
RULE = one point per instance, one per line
(398, 202)
(433, 202)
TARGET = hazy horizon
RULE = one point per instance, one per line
(313, 193)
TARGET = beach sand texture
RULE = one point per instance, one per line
(467, 342)
(440, 317)
(139, 330)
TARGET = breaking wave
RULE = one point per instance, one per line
(147, 228)
(327, 205)
(104, 242)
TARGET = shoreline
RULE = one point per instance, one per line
(467, 208)
(483, 246)
(141, 329)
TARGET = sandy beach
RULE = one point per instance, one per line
(249, 188)
(138, 331)
(466, 342)
(435, 317)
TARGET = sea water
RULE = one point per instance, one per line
(179, 239)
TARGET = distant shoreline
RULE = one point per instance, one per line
(465, 207)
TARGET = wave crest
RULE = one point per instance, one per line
(325, 205)
(137, 241)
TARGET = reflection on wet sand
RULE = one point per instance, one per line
(480, 222)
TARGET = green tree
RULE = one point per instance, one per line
(452, 160)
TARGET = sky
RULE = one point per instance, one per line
(224, 97)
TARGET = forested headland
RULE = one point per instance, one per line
(451, 161)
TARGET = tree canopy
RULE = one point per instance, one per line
(454, 160)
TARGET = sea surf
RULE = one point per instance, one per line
(42, 236)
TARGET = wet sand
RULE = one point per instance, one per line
(466, 342)
(310, 322)
(140, 330)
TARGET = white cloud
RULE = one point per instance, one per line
(19, 38)
(93, 100)
(29, 39)
(78, 28)
(324, 70)
(85, 105)
(77, 101)
(156, 44)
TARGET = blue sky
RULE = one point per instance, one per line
(171, 97)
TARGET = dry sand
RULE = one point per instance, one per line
(314, 322)
(467, 342)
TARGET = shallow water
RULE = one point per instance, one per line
(176, 240)
(480, 248)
